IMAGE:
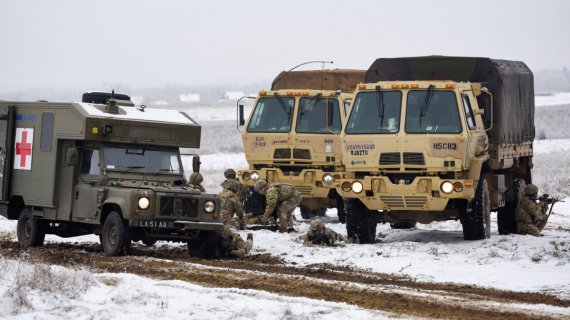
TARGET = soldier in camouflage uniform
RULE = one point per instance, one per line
(281, 196)
(195, 181)
(531, 216)
(319, 235)
(238, 247)
(230, 175)
(231, 206)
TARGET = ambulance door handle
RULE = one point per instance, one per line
(76, 195)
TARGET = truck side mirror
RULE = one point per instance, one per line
(196, 163)
(330, 110)
(71, 157)
(241, 117)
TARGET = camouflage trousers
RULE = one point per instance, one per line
(532, 229)
(285, 211)
(238, 247)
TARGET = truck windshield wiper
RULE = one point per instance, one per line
(380, 105)
(134, 167)
(307, 107)
(425, 104)
(282, 104)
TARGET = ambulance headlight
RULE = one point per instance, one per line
(357, 187)
(328, 178)
(209, 206)
(144, 203)
(254, 176)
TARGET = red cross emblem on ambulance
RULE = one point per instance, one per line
(23, 150)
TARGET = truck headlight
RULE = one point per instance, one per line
(328, 178)
(254, 176)
(245, 176)
(209, 206)
(144, 203)
(446, 187)
(346, 186)
(357, 187)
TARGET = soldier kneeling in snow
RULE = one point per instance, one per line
(232, 217)
(531, 216)
(319, 235)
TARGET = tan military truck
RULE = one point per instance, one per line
(293, 135)
(106, 167)
(438, 138)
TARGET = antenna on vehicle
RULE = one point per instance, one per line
(297, 66)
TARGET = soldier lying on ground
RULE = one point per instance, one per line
(281, 196)
(531, 216)
(318, 234)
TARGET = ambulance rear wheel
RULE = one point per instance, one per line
(115, 240)
(31, 232)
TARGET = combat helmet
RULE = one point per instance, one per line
(316, 225)
(230, 173)
(259, 184)
(531, 190)
(196, 178)
(231, 185)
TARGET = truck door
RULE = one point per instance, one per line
(6, 140)
(85, 192)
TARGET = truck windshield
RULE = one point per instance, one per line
(375, 112)
(272, 114)
(140, 159)
(433, 113)
(312, 116)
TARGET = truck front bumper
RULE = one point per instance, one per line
(311, 183)
(422, 194)
(179, 224)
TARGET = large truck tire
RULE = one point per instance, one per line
(307, 213)
(477, 223)
(254, 202)
(340, 210)
(31, 232)
(115, 239)
(360, 222)
(403, 225)
(506, 215)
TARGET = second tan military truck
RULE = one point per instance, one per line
(105, 167)
(293, 135)
(438, 138)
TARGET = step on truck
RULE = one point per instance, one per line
(293, 136)
(438, 138)
(105, 167)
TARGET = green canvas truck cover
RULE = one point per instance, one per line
(344, 80)
(510, 82)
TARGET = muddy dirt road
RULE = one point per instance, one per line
(372, 290)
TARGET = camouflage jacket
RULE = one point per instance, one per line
(241, 193)
(528, 211)
(277, 193)
(328, 238)
(230, 205)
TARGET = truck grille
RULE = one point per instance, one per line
(179, 207)
(415, 158)
(302, 154)
(304, 190)
(389, 158)
(282, 153)
(404, 202)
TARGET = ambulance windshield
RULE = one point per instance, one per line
(141, 159)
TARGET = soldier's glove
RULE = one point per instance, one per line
(264, 220)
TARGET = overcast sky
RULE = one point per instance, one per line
(74, 43)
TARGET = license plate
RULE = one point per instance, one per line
(152, 224)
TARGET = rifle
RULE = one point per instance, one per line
(545, 198)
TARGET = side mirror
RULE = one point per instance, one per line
(71, 157)
(241, 117)
(330, 110)
(196, 164)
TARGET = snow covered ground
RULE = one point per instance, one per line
(555, 99)
(434, 252)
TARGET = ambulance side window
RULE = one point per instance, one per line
(90, 162)
(47, 131)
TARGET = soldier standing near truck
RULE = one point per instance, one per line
(230, 175)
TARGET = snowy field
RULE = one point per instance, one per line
(432, 253)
